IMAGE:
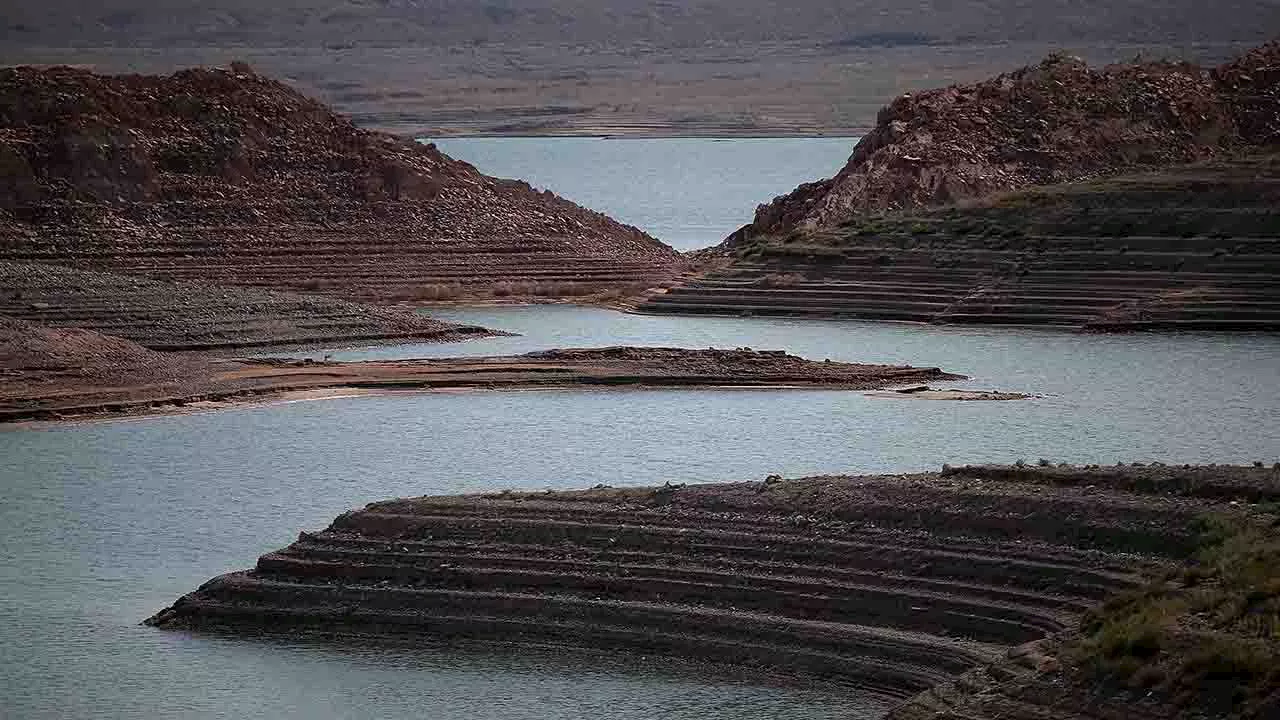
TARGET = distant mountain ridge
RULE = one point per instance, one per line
(712, 68)
(301, 22)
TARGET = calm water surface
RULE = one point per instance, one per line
(103, 524)
(689, 193)
(1103, 398)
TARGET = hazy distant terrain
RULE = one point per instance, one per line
(623, 66)
(679, 22)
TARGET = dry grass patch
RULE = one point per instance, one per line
(1208, 636)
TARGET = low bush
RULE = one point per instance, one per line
(1207, 636)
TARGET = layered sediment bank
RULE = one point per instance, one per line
(1192, 247)
(888, 584)
(58, 374)
(169, 315)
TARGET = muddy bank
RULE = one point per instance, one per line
(888, 584)
(141, 381)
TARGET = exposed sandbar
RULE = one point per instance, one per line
(140, 381)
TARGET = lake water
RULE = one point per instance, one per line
(689, 193)
(1103, 398)
(102, 524)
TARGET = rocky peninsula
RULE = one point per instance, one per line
(49, 374)
(960, 592)
(1131, 197)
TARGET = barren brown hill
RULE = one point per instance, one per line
(1054, 122)
(229, 177)
(620, 67)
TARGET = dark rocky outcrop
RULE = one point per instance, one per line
(230, 177)
(891, 584)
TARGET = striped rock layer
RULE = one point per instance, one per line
(886, 584)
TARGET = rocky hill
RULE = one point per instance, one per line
(1132, 197)
(230, 177)
(1054, 122)
(1190, 247)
